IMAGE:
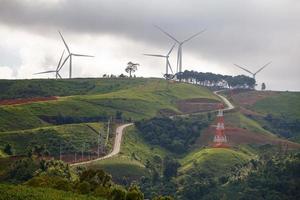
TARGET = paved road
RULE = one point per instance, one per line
(120, 129)
(116, 148)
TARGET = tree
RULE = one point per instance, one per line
(8, 149)
(134, 193)
(170, 167)
(263, 86)
(131, 68)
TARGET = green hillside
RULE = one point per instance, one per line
(213, 160)
(18, 192)
(69, 136)
(283, 103)
(143, 98)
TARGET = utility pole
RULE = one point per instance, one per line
(60, 151)
(99, 143)
(83, 147)
(108, 129)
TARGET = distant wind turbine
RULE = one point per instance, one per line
(168, 65)
(253, 73)
(70, 55)
(180, 43)
(56, 71)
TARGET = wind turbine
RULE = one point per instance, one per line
(168, 65)
(70, 55)
(56, 71)
(180, 43)
(253, 74)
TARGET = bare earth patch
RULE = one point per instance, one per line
(26, 100)
(197, 105)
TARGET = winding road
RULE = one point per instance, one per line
(116, 148)
(229, 105)
(120, 132)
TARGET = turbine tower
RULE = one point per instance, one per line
(70, 55)
(253, 74)
(56, 71)
(180, 43)
(168, 65)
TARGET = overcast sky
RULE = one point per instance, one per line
(250, 33)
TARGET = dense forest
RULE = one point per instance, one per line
(209, 79)
(176, 135)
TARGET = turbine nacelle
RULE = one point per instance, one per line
(168, 64)
(180, 43)
(69, 57)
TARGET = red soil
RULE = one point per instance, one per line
(197, 105)
(26, 100)
(250, 97)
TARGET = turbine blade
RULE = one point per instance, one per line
(59, 75)
(171, 49)
(263, 67)
(51, 71)
(193, 36)
(173, 38)
(170, 66)
(156, 55)
(64, 42)
(243, 69)
(82, 55)
(60, 60)
(64, 62)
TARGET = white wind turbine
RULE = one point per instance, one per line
(56, 71)
(180, 43)
(253, 73)
(70, 55)
(168, 64)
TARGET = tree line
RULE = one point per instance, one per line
(209, 79)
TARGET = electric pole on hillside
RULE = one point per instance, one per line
(220, 139)
(99, 140)
(83, 147)
(59, 151)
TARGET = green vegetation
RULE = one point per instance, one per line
(136, 147)
(213, 160)
(177, 135)
(17, 192)
(285, 104)
(70, 137)
(239, 120)
(141, 98)
(123, 168)
(44, 88)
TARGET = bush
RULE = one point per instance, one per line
(84, 187)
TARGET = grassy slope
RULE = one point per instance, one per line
(132, 158)
(43, 87)
(19, 192)
(284, 103)
(71, 136)
(214, 160)
(143, 99)
(241, 121)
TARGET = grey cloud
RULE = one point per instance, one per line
(246, 32)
